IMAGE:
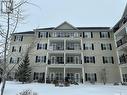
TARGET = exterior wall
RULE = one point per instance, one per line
(121, 44)
(112, 70)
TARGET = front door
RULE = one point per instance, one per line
(58, 76)
(52, 76)
(77, 77)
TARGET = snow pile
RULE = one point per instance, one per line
(13, 88)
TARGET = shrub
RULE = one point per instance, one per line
(27, 92)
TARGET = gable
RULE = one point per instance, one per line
(65, 26)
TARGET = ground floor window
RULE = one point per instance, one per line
(91, 77)
(56, 76)
(124, 77)
(39, 76)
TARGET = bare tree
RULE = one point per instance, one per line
(12, 13)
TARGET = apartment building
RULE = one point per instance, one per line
(81, 54)
(120, 35)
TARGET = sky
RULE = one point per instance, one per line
(84, 13)
(79, 13)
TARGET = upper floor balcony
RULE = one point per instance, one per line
(73, 45)
(123, 59)
(122, 41)
(56, 59)
(56, 45)
(65, 34)
(59, 45)
(59, 59)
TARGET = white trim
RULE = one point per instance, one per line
(83, 74)
(121, 75)
(65, 22)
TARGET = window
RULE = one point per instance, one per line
(52, 76)
(76, 34)
(20, 49)
(108, 60)
(14, 60)
(89, 59)
(40, 59)
(91, 77)
(38, 76)
(42, 34)
(65, 34)
(18, 38)
(104, 35)
(71, 34)
(70, 59)
(57, 46)
(106, 47)
(60, 34)
(60, 60)
(58, 76)
(124, 77)
(42, 46)
(88, 46)
(77, 60)
(53, 60)
(13, 49)
(73, 46)
(76, 46)
(77, 77)
(87, 35)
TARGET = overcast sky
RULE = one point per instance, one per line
(85, 13)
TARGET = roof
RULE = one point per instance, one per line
(121, 21)
(80, 28)
(65, 26)
(27, 32)
(125, 12)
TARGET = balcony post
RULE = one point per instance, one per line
(46, 67)
(64, 73)
(48, 45)
(45, 74)
(121, 76)
(64, 66)
(64, 44)
(83, 74)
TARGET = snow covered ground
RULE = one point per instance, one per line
(12, 88)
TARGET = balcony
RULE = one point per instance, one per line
(56, 48)
(55, 62)
(56, 58)
(73, 45)
(56, 45)
(123, 59)
(122, 41)
(73, 59)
